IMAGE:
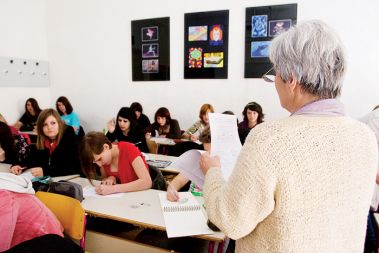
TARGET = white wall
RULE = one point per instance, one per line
(23, 35)
(89, 48)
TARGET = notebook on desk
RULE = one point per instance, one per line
(185, 217)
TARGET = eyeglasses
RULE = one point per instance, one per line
(269, 76)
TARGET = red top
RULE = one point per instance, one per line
(24, 217)
(125, 172)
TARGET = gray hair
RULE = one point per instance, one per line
(312, 54)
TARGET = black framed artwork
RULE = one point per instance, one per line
(151, 49)
(206, 45)
(262, 25)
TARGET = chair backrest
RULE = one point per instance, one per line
(159, 183)
(69, 212)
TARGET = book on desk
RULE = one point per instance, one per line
(184, 217)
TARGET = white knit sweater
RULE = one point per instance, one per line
(301, 184)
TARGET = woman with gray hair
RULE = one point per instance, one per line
(303, 183)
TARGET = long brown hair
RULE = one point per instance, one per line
(92, 144)
(41, 137)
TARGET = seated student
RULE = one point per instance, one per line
(164, 125)
(199, 125)
(252, 116)
(56, 151)
(7, 144)
(14, 146)
(23, 216)
(142, 120)
(122, 165)
(125, 128)
(67, 113)
(181, 180)
(28, 120)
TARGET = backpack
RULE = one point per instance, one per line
(67, 188)
(63, 187)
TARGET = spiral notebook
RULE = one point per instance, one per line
(185, 217)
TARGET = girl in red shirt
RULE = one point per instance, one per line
(122, 166)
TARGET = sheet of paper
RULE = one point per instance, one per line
(225, 140)
(27, 174)
(189, 164)
(89, 191)
(181, 219)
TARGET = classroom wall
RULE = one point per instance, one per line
(89, 49)
(23, 35)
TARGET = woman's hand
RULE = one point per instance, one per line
(193, 137)
(37, 172)
(111, 180)
(104, 189)
(16, 169)
(111, 125)
(207, 162)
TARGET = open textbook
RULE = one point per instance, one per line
(185, 217)
(225, 144)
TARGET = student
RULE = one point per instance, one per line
(125, 128)
(28, 120)
(142, 120)
(56, 151)
(7, 144)
(23, 216)
(181, 180)
(164, 125)
(302, 183)
(14, 146)
(122, 165)
(199, 125)
(67, 113)
(252, 116)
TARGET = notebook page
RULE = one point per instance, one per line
(185, 217)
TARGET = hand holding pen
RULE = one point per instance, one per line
(172, 193)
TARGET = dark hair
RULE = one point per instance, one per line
(127, 113)
(253, 106)
(136, 107)
(35, 106)
(41, 137)
(164, 113)
(66, 104)
(205, 136)
(92, 144)
(228, 112)
(7, 142)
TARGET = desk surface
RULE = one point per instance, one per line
(140, 208)
(172, 159)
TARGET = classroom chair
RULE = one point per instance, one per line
(69, 212)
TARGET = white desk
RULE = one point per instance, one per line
(163, 141)
(164, 158)
(139, 208)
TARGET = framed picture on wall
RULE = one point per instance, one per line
(206, 45)
(262, 25)
(151, 49)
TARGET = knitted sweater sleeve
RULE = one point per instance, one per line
(237, 206)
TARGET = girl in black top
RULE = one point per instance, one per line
(7, 144)
(164, 125)
(29, 118)
(142, 120)
(56, 150)
(125, 128)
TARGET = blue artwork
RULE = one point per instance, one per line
(259, 26)
(260, 49)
